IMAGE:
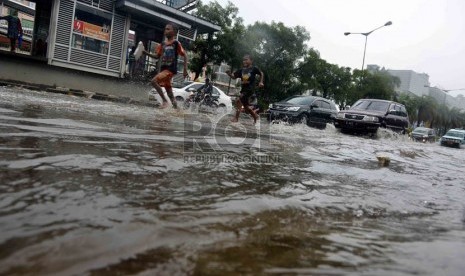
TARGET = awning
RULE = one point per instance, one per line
(149, 10)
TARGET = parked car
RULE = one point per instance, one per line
(183, 93)
(453, 138)
(315, 111)
(423, 134)
(367, 115)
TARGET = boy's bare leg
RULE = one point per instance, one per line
(160, 92)
(238, 111)
(169, 91)
(250, 111)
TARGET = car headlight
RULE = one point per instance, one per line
(292, 108)
(370, 119)
(340, 115)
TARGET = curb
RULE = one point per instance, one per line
(78, 93)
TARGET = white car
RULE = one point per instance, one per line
(183, 93)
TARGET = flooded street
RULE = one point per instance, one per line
(91, 187)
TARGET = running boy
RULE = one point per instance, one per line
(247, 74)
(168, 52)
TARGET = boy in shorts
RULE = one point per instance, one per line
(248, 75)
(168, 52)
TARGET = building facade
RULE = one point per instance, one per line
(411, 82)
(94, 35)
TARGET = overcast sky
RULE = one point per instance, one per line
(426, 36)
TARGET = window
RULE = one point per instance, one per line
(325, 105)
(403, 110)
(371, 105)
(91, 29)
(400, 111)
(300, 100)
(215, 92)
(195, 86)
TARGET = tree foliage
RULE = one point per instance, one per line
(276, 50)
(428, 112)
(220, 46)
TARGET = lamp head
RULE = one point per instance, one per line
(388, 23)
(346, 33)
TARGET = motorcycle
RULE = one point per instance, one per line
(201, 99)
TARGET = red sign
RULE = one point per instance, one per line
(78, 26)
(91, 30)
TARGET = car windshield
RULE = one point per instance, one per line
(455, 134)
(300, 100)
(421, 131)
(371, 105)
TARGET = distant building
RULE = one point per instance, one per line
(418, 84)
(411, 82)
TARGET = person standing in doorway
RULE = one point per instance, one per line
(131, 62)
(14, 28)
(248, 75)
(168, 52)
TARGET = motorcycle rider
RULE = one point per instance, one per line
(203, 91)
(207, 88)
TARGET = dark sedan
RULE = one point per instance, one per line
(314, 111)
(423, 134)
(367, 115)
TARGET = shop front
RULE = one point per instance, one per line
(88, 36)
(90, 39)
(93, 35)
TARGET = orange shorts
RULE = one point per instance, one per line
(164, 78)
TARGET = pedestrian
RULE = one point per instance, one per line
(14, 28)
(248, 75)
(168, 52)
(131, 62)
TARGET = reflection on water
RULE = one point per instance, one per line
(99, 188)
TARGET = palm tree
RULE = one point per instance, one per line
(456, 118)
(443, 119)
(427, 110)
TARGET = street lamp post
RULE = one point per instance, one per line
(366, 38)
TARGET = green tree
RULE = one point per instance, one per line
(378, 85)
(221, 46)
(276, 50)
(443, 119)
(427, 110)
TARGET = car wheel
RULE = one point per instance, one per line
(212, 107)
(221, 109)
(303, 119)
(373, 134)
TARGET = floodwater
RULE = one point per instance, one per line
(99, 188)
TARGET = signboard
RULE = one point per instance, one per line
(91, 30)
